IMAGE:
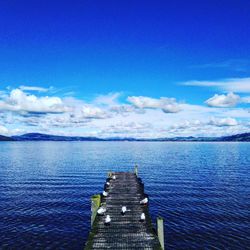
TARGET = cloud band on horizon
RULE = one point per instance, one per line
(107, 116)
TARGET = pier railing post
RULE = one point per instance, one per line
(136, 170)
(95, 204)
(160, 231)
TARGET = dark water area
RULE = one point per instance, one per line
(201, 189)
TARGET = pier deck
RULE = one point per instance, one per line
(124, 231)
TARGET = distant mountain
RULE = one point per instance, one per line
(239, 137)
(45, 137)
(5, 138)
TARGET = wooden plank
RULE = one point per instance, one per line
(124, 231)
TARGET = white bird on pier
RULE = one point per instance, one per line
(143, 217)
(107, 220)
(113, 177)
(144, 201)
(101, 211)
(105, 194)
(124, 209)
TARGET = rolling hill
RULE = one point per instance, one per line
(44, 137)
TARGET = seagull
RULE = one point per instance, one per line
(104, 193)
(124, 209)
(107, 220)
(143, 217)
(113, 177)
(144, 201)
(101, 210)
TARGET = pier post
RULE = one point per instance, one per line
(136, 170)
(160, 231)
(95, 204)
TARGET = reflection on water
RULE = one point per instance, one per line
(201, 189)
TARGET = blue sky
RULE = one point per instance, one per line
(169, 67)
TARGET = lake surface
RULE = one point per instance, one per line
(201, 189)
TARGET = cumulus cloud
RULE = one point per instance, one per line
(194, 124)
(239, 85)
(107, 116)
(88, 111)
(223, 101)
(223, 122)
(19, 101)
(125, 109)
(167, 105)
(65, 120)
(186, 124)
(45, 112)
(215, 126)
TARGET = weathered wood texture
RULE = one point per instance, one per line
(125, 231)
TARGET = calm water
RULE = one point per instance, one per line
(201, 189)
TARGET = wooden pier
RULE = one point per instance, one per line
(128, 230)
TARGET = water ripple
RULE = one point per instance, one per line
(201, 189)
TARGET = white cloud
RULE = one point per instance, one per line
(34, 88)
(82, 110)
(107, 116)
(231, 64)
(125, 109)
(46, 112)
(194, 124)
(223, 122)
(186, 124)
(239, 85)
(3, 130)
(19, 101)
(167, 105)
(192, 121)
(88, 111)
(223, 101)
(245, 99)
(109, 99)
(126, 129)
(9, 132)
